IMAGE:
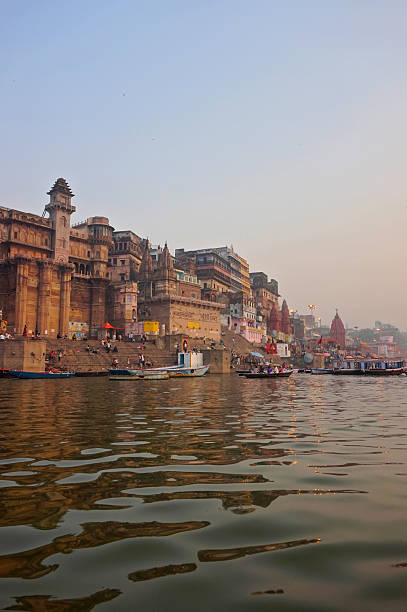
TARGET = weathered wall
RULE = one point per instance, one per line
(176, 314)
(218, 360)
(23, 354)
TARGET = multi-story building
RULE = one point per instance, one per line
(125, 256)
(174, 298)
(53, 277)
(219, 269)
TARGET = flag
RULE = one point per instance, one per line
(320, 340)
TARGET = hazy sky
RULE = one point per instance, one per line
(277, 127)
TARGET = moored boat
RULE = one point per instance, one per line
(284, 374)
(197, 371)
(24, 374)
(145, 376)
(322, 370)
(370, 368)
(189, 364)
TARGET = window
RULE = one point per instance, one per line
(122, 277)
(97, 254)
(193, 295)
(123, 262)
(46, 241)
(114, 261)
(109, 260)
(15, 234)
(64, 221)
(88, 253)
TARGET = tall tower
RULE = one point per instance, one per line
(60, 210)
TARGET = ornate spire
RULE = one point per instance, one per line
(274, 319)
(146, 265)
(61, 186)
(285, 319)
(165, 260)
(338, 330)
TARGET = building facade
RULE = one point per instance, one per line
(53, 277)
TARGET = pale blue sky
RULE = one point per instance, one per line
(278, 127)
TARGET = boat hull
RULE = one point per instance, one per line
(372, 372)
(184, 372)
(48, 375)
(128, 377)
(173, 371)
(265, 375)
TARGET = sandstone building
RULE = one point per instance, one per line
(61, 279)
(53, 277)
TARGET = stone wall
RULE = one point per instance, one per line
(194, 318)
(218, 360)
(23, 354)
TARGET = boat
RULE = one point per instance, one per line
(373, 367)
(322, 370)
(93, 373)
(197, 371)
(189, 364)
(145, 376)
(284, 374)
(25, 374)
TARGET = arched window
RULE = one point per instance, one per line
(64, 221)
(76, 267)
(81, 269)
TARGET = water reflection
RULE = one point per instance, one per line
(39, 603)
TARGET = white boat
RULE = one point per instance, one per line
(322, 370)
(189, 364)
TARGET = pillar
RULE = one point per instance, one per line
(98, 305)
(22, 264)
(44, 296)
(65, 297)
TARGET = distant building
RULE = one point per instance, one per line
(219, 269)
(337, 332)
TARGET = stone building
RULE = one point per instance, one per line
(219, 269)
(174, 298)
(125, 256)
(337, 331)
(53, 277)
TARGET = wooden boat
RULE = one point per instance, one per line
(23, 374)
(385, 372)
(198, 371)
(173, 371)
(322, 370)
(145, 376)
(371, 368)
(285, 374)
(84, 373)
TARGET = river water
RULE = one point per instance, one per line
(213, 493)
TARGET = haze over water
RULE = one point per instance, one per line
(216, 493)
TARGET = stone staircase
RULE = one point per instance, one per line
(76, 358)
